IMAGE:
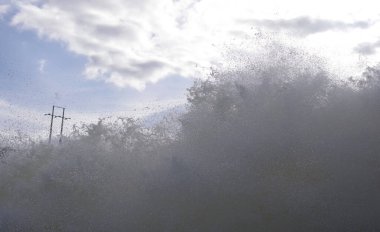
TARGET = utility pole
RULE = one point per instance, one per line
(52, 119)
(63, 119)
(51, 123)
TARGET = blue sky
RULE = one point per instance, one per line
(123, 57)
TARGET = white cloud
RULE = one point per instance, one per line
(304, 26)
(42, 65)
(126, 42)
(3, 10)
(4, 104)
(134, 42)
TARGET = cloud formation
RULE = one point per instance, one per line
(42, 65)
(367, 48)
(128, 43)
(3, 10)
(4, 103)
(304, 26)
(135, 42)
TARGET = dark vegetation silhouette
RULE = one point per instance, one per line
(276, 143)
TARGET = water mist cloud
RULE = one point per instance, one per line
(367, 48)
(271, 143)
(304, 26)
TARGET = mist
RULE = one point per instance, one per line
(273, 142)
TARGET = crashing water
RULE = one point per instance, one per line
(273, 143)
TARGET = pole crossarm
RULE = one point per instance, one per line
(61, 117)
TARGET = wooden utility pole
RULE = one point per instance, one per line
(52, 119)
(51, 123)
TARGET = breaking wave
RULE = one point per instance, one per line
(273, 143)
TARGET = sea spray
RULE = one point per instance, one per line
(275, 143)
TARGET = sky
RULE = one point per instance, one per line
(137, 57)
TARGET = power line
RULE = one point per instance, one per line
(52, 120)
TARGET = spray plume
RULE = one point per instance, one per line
(273, 143)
